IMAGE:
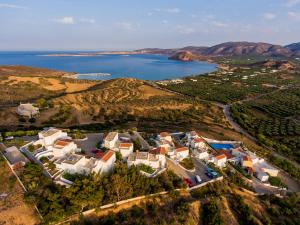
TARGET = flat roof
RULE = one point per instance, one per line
(13, 155)
(51, 131)
(110, 136)
(72, 159)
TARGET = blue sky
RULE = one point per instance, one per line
(132, 24)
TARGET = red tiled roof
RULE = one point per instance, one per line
(198, 140)
(107, 155)
(159, 150)
(164, 134)
(63, 142)
(182, 149)
(247, 158)
(227, 153)
(125, 145)
(220, 156)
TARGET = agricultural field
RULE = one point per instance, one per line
(228, 87)
(274, 120)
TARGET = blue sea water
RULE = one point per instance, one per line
(146, 66)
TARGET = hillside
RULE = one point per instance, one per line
(220, 203)
(295, 48)
(187, 56)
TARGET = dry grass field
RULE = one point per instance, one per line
(13, 209)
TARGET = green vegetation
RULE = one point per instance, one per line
(276, 181)
(146, 168)
(60, 117)
(286, 166)
(243, 211)
(283, 210)
(273, 120)
(212, 213)
(226, 88)
(187, 163)
(77, 134)
(56, 202)
(152, 212)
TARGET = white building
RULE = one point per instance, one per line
(111, 140)
(200, 153)
(152, 160)
(63, 147)
(165, 136)
(49, 136)
(75, 164)
(125, 149)
(182, 153)
(220, 160)
(27, 110)
(105, 162)
(198, 143)
(262, 176)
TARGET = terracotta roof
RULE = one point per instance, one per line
(107, 155)
(247, 158)
(159, 150)
(125, 145)
(62, 143)
(198, 140)
(220, 156)
(164, 134)
(227, 153)
(182, 149)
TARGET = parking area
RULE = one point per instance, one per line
(92, 140)
(200, 169)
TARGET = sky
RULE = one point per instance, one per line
(134, 24)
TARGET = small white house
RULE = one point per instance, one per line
(111, 140)
(152, 160)
(75, 164)
(125, 149)
(165, 136)
(262, 176)
(201, 153)
(198, 143)
(220, 160)
(105, 162)
(27, 110)
(182, 153)
(63, 147)
(160, 153)
(49, 136)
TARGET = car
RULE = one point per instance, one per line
(95, 151)
(9, 138)
(211, 173)
(198, 179)
(188, 181)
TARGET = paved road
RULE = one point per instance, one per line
(179, 171)
(144, 143)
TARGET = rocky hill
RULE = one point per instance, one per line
(187, 56)
(276, 64)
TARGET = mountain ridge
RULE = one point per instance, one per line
(242, 48)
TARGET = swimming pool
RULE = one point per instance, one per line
(218, 146)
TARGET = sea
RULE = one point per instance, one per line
(101, 67)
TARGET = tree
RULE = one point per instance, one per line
(119, 187)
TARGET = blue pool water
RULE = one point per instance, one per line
(218, 146)
(146, 66)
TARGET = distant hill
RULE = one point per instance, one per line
(187, 56)
(295, 48)
(230, 49)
